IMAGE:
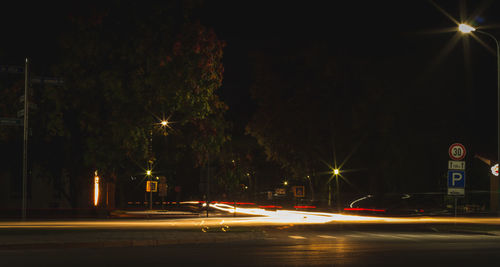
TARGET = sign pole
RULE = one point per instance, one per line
(25, 142)
(455, 210)
(208, 180)
(150, 194)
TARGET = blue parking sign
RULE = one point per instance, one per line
(456, 179)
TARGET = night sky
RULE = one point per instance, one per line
(372, 30)
(416, 34)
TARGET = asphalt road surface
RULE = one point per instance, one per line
(287, 246)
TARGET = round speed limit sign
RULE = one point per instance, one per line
(456, 151)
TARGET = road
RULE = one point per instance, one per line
(287, 246)
(283, 238)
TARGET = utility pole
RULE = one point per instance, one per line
(25, 142)
(338, 193)
(150, 167)
(208, 181)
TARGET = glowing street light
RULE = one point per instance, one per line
(164, 123)
(467, 29)
(336, 171)
(148, 172)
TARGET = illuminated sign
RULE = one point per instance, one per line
(298, 191)
(151, 186)
(494, 169)
(96, 189)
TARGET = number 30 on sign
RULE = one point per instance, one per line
(457, 151)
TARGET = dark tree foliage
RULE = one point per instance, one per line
(319, 109)
(127, 66)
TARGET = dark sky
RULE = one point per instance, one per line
(416, 31)
(372, 30)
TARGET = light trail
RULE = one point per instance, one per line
(304, 217)
(257, 217)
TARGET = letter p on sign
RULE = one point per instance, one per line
(456, 178)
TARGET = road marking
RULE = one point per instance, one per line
(296, 237)
(326, 236)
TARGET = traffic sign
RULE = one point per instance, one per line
(456, 182)
(457, 151)
(298, 191)
(280, 191)
(11, 121)
(456, 165)
(151, 186)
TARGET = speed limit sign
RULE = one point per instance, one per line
(456, 151)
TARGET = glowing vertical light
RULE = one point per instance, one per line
(96, 188)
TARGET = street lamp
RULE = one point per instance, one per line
(336, 173)
(464, 28)
(164, 124)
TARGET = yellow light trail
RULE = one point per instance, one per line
(257, 217)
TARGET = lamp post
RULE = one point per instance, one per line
(336, 172)
(163, 124)
(464, 28)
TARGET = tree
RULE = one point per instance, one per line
(316, 107)
(125, 67)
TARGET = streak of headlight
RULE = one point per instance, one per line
(278, 218)
(292, 216)
(357, 200)
(262, 217)
(302, 217)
